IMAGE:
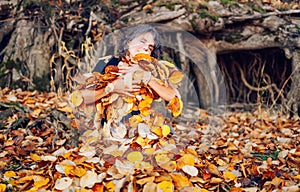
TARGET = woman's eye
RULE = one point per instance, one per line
(151, 47)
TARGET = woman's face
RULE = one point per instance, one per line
(141, 44)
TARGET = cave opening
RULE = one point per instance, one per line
(256, 77)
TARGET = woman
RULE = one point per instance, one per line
(138, 39)
(114, 106)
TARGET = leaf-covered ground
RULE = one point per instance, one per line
(244, 151)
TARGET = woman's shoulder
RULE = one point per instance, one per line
(105, 61)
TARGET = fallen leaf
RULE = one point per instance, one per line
(190, 170)
(180, 180)
(89, 179)
(135, 156)
(166, 186)
(63, 183)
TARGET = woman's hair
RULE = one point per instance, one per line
(132, 32)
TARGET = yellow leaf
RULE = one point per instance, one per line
(186, 159)
(165, 130)
(145, 180)
(135, 156)
(135, 120)
(297, 177)
(229, 176)
(110, 186)
(157, 131)
(141, 141)
(68, 169)
(2, 187)
(25, 179)
(149, 151)
(276, 181)
(76, 98)
(35, 157)
(40, 183)
(79, 172)
(176, 77)
(10, 174)
(144, 166)
(180, 180)
(162, 158)
(145, 111)
(166, 186)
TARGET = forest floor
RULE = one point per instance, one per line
(42, 149)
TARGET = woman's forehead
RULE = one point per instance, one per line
(146, 36)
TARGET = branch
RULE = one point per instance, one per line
(259, 16)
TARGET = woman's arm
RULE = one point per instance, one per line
(166, 92)
(91, 96)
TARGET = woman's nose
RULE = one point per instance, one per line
(146, 48)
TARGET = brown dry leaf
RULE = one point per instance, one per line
(168, 166)
(214, 170)
(145, 180)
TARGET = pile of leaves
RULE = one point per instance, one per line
(256, 151)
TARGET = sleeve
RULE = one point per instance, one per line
(105, 61)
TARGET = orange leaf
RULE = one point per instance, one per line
(141, 56)
(10, 174)
(180, 180)
(186, 159)
(35, 157)
(98, 187)
(229, 176)
(175, 105)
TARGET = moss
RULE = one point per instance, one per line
(256, 8)
(228, 2)
(205, 14)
